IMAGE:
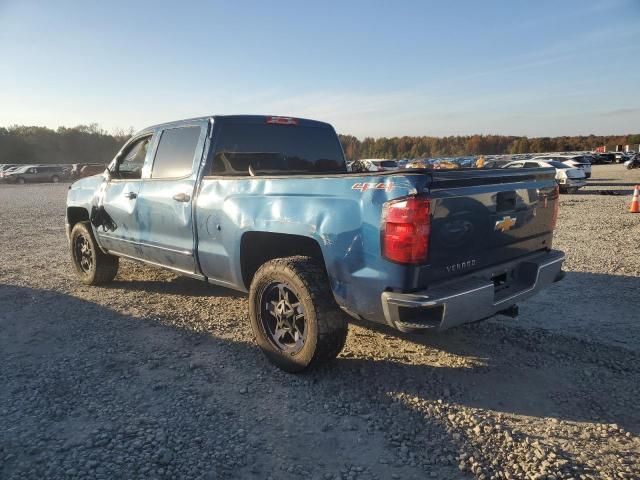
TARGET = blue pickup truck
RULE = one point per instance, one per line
(265, 205)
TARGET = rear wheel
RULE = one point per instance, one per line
(55, 179)
(93, 266)
(294, 317)
(20, 180)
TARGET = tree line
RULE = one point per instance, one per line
(92, 144)
(81, 144)
(455, 146)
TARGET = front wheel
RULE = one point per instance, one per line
(93, 266)
(20, 181)
(55, 179)
(294, 317)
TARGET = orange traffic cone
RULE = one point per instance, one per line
(635, 203)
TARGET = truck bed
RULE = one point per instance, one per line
(342, 213)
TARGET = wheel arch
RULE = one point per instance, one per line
(257, 248)
(75, 215)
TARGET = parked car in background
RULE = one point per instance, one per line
(574, 161)
(633, 162)
(418, 163)
(81, 170)
(11, 175)
(384, 165)
(365, 165)
(621, 157)
(6, 166)
(374, 165)
(36, 173)
(495, 163)
(569, 179)
(605, 157)
(446, 165)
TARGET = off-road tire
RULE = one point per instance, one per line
(325, 323)
(103, 267)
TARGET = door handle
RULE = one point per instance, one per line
(181, 197)
(131, 195)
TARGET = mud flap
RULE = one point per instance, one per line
(99, 216)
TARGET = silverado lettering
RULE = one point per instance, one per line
(460, 266)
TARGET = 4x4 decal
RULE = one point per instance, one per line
(363, 187)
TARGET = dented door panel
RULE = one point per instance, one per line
(119, 201)
(164, 211)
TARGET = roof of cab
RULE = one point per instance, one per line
(231, 119)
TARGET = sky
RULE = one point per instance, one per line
(371, 68)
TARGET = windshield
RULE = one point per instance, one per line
(277, 149)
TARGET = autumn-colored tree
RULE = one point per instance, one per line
(91, 143)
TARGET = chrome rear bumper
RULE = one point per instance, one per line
(473, 297)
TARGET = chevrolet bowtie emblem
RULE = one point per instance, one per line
(505, 224)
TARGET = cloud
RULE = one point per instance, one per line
(621, 111)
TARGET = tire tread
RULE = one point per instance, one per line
(331, 323)
(106, 266)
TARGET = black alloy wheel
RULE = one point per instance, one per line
(83, 253)
(282, 318)
(295, 319)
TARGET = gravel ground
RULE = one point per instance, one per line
(156, 376)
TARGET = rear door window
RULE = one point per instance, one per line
(176, 151)
(277, 150)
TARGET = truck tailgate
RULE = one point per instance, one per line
(487, 217)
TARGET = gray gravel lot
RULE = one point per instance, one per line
(156, 376)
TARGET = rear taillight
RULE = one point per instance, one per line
(406, 224)
(556, 206)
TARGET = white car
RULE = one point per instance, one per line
(569, 179)
(575, 161)
(384, 165)
(374, 165)
(622, 157)
(362, 166)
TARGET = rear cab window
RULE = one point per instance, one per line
(276, 149)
